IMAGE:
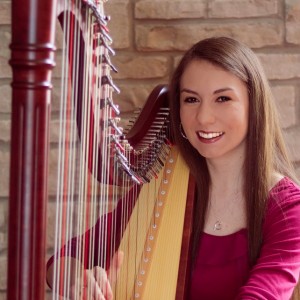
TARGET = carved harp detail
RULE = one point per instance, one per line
(117, 189)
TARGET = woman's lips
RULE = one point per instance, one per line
(209, 137)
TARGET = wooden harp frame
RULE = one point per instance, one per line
(32, 61)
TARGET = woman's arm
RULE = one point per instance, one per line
(276, 272)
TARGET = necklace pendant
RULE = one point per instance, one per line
(218, 226)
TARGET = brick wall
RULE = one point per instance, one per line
(149, 38)
(5, 98)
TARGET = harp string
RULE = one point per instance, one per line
(68, 152)
(61, 173)
(89, 178)
(96, 117)
(86, 139)
(79, 105)
(68, 146)
(75, 205)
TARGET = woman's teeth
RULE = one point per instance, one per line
(210, 135)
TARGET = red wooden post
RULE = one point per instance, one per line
(32, 60)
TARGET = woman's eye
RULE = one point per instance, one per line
(223, 99)
(190, 99)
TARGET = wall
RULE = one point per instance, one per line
(149, 38)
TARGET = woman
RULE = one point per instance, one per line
(246, 231)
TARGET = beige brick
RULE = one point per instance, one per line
(119, 25)
(5, 130)
(70, 212)
(3, 270)
(54, 161)
(286, 104)
(49, 295)
(52, 178)
(281, 66)
(5, 38)
(141, 67)
(51, 216)
(293, 21)
(5, 12)
(56, 73)
(66, 126)
(3, 240)
(165, 9)
(5, 98)
(56, 95)
(292, 137)
(59, 36)
(132, 97)
(71, 224)
(242, 8)
(5, 69)
(4, 173)
(3, 214)
(179, 37)
(176, 61)
(69, 128)
(3, 295)
(54, 131)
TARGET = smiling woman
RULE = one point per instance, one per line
(214, 110)
(246, 242)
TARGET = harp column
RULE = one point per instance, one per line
(32, 60)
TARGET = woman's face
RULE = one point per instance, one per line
(214, 106)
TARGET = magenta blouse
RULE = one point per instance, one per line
(221, 270)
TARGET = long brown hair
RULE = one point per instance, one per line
(265, 153)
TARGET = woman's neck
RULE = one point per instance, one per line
(226, 212)
(226, 175)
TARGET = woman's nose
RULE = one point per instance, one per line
(205, 114)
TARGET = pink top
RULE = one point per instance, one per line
(221, 270)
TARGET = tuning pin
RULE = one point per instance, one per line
(112, 123)
(92, 5)
(117, 143)
(102, 42)
(106, 60)
(104, 102)
(121, 155)
(107, 80)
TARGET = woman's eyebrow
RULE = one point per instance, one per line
(222, 90)
(215, 92)
(188, 91)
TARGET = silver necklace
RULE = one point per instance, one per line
(218, 226)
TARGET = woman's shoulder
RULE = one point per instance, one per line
(282, 185)
(283, 210)
(284, 192)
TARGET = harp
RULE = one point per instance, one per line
(32, 59)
